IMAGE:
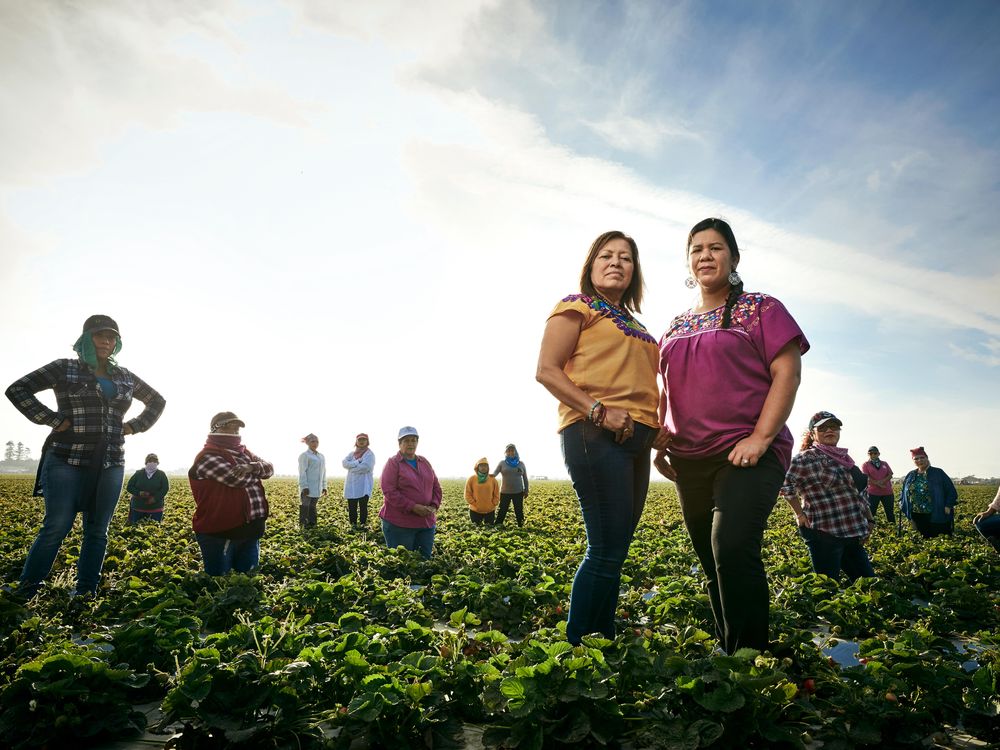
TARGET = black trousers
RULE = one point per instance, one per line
(480, 518)
(307, 511)
(927, 528)
(506, 498)
(726, 510)
(357, 506)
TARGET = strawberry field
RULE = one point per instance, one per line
(338, 642)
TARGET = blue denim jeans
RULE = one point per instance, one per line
(611, 482)
(989, 527)
(832, 554)
(223, 555)
(62, 486)
(417, 540)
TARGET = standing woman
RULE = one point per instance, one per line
(600, 363)
(148, 488)
(83, 459)
(929, 497)
(312, 481)
(731, 367)
(360, 465)
(833, 518)
(879, 475)
(513, 485)
(411, 495)
(231, 505)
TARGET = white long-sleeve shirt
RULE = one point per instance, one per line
(360, 472)
(312, 473)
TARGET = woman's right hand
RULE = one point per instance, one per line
(63, 426)
(423, 510)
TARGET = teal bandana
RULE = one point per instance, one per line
(84, 347)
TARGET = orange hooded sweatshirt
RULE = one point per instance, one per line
(482, 497)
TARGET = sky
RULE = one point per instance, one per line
(345, 217)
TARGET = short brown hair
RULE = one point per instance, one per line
(631, 297)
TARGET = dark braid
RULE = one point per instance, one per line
(735, 291)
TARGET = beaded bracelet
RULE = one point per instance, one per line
(593, 409)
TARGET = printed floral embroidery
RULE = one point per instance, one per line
(625, 322)
(746, 315)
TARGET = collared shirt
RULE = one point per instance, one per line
(218, 468)
(403, 487)
(879, 480)
(312, 473)
(360, 475)
(92, 415)
(829, 497)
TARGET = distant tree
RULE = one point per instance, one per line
(8, 454)
(19, 452)
(27, 453)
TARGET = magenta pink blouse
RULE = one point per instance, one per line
(717, 379)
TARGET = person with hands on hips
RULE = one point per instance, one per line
(82, 462)
(731, 366)
(411, 495)
(312, 481)
(833, 517)
(599, 361)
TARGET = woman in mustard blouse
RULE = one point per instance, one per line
(600, 363)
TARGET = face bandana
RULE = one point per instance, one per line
(151, 469)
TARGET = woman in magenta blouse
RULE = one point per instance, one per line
(411, 496)
(731, 368)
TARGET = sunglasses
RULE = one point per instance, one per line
(828, 428)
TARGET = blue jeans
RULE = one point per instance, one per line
(989, 527)
(62, 486)
(223, 555)
(832, 554)
(611, 482)
(416, 540)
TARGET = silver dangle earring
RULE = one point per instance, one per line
(690, 283)
(734, 278)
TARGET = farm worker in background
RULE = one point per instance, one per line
(231, 505)
(82, 462)
(987, 523)
(360, 465)
(312, 481)
(833, 518)
(148, 488)
(514, 485)
(731, 366)
(600, 363)
(482, 493)
(879, 475)
(929, 497)
(411, 495)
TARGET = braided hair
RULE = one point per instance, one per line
(723, 228)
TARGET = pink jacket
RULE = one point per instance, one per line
(403, 487)
(879, 480)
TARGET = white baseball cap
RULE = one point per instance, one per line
(406, 432)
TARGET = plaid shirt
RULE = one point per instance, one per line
(92, 416)
(829, 497)
(222, 469)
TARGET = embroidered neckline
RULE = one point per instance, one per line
(621, 318)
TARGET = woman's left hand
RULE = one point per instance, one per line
(748, 451)
(127, 430)
(662, 439)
